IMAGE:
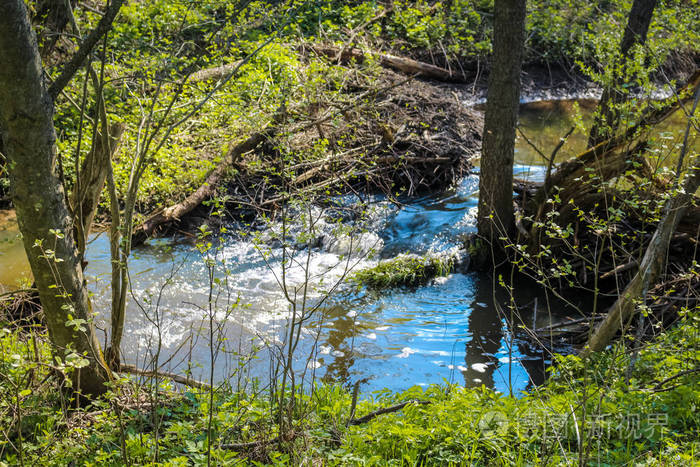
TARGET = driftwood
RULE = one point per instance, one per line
(207, 190)
(402, 64)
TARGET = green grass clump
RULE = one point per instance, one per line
(405, 269)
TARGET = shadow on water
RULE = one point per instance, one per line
(506, 356)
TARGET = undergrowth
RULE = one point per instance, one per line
(610, 411)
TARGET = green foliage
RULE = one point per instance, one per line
(153, 45)
(404, 269)
(615, 410)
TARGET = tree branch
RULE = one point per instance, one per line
(385, 410)
(193, 383)
(85, 48)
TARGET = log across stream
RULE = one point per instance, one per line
(448, 329)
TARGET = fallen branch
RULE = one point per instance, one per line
(620, 268)
(402, 64)
(193, 383)
(207, 190)
(252, 445)
(394, 408)
(216, 73)
(244, 447)
(661, 384)
(586, 319)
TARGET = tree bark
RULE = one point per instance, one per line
(26, 125)
(607, 115)
(495, 216)
(93, 173)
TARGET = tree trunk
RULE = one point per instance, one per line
(26, 123)
(93, 173)
(495, 217)
(607, 114)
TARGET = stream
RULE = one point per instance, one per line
(453, 329)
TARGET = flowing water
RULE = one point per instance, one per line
(455, 328)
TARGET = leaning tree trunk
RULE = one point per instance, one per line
(607, 114)
(26, 125)
(654, 259)
(495, 217)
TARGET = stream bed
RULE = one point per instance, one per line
(453, 328)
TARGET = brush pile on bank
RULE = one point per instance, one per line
(378, 132)
(393, 135)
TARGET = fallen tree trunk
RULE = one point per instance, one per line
(216, 73)
(402, 64)
(206, 191)
(652, 264)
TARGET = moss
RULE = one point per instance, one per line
(405, 269)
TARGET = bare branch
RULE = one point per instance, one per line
(85, 48)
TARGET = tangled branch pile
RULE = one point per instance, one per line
(399, 135)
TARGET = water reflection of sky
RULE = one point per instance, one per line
(453, 329)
